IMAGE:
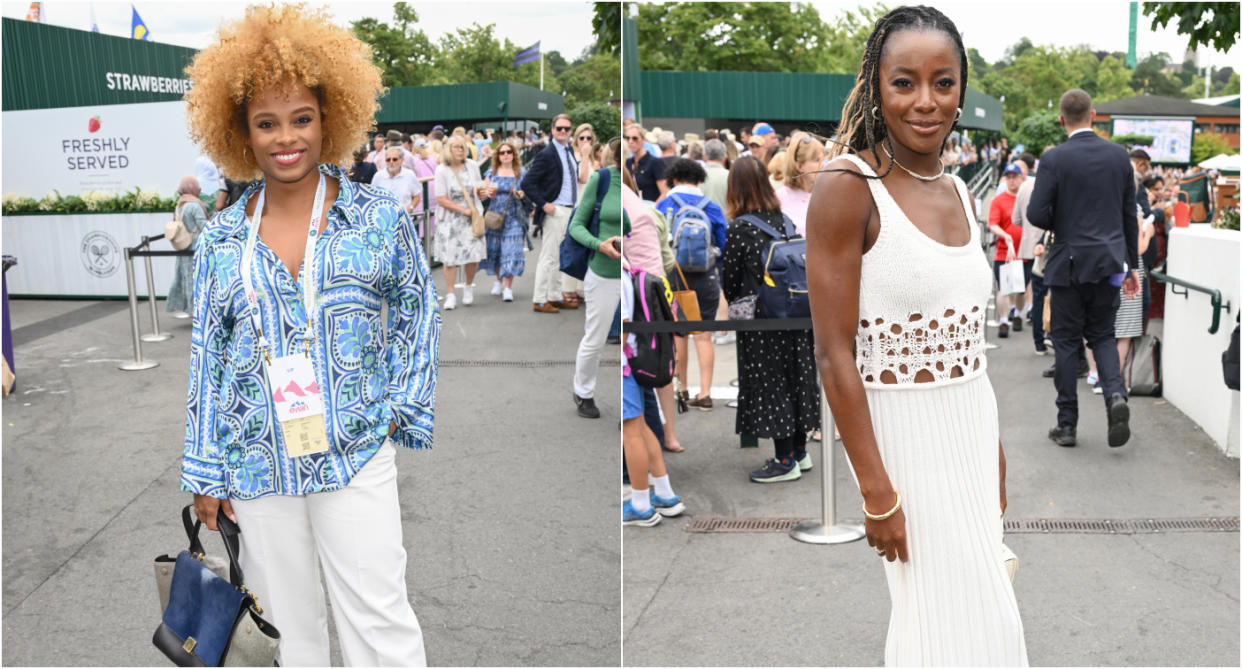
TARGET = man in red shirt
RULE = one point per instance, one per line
(1008, 237)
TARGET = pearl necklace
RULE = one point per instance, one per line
(920, 177)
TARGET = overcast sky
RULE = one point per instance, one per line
(562, 26)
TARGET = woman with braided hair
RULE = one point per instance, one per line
(898, 288)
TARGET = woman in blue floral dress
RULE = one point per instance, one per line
(300, 393)
(506, 247)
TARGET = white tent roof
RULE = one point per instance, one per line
(1223, 162)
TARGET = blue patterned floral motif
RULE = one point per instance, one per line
(368, 255)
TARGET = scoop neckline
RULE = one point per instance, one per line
(957, 191)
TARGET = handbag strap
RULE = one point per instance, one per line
(684, 283)
(192, 526)
(231, 533)
(465, 193)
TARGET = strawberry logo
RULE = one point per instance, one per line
(93, 124)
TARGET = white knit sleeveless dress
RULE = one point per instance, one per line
(921, 307)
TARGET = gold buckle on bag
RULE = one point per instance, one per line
(189, 644)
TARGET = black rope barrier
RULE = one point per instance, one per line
(755, 325)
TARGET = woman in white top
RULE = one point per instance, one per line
(899, 290)
(802, 163)
(458, 189)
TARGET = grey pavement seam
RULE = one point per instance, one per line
(91, 539)
(49, 326)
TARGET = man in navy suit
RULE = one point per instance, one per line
(1085, 194)
(551, 183)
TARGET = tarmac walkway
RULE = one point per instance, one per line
(514, 550)
(763, 599)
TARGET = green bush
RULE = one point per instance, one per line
(1040, 130)
(103, 202)
(1207, 145)
(603, 117)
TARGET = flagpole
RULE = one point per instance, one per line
(541, 68)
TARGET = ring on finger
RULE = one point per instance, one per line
(879, 551)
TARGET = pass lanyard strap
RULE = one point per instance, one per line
(308, 274)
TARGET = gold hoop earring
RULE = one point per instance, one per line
(873, 113)
(959, 114)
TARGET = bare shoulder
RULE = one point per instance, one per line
(841, 197)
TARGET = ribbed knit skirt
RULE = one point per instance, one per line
(952, 601)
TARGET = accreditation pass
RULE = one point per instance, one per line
(299, 406)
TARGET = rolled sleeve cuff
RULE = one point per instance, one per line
(203, 478)
(415, 425)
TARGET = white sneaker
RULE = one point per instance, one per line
(496, 287)
(467, 295)
(507, 295)
(450, 301)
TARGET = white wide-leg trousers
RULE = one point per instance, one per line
(602, 297)
(355, 533)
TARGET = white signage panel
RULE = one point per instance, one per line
(108, 148)
(83, 254)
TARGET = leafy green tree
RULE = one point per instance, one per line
(1040, 130)
(1208, 144)
(1213, 24)
(1112, 80)
(597, 79)
(722, 36)
(555, 63)
(605, 118)
(1150, 78)
(607, 25)
(978, 66)
(405, 54)
(846, 39)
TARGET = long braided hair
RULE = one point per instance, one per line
(860, 126)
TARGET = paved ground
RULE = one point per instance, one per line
(695, 599)
(514, 547)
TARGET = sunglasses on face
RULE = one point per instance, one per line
(586, 138)
(392, 160)
(633, 138)
(506, 153)
(561, 128)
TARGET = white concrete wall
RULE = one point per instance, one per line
(1191, 360)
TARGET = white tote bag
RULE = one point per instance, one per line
(1012, 279)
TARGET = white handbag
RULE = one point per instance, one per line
(176, 234)
(1012, 279)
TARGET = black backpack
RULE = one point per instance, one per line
(653, 356)
(1229, 361)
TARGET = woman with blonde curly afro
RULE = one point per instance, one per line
(298, 392)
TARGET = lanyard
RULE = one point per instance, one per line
(308, 274)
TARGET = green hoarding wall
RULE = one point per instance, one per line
(631, 85)
(47, 67)
(774, 96)
(466, 102)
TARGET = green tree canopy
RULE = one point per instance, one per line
(405, 54)
(1040, 130)
(1213, 24)
(607, 24)
(1208, 144)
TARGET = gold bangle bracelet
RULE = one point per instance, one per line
(883, 516)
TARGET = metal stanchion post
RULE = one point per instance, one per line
(138, 363)
(827, 530)
(990, 317)
(155, 335)
(426, 227)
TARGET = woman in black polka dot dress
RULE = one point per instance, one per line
(778, 392)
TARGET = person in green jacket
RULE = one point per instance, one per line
(603, 278)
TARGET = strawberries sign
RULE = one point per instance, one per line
(93, 124)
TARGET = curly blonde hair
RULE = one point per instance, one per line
(277, 45)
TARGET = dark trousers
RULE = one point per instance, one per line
(1038, 292)
(1084, 311)
(651, 414)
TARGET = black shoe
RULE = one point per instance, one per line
(1003, 331)
(613, 339)
(1118, 420)
(775, 470)
(586, 407)
(1063, 435)
(1017, 325)
(1050, 372)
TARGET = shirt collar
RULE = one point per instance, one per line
(234, 220)
(1081, 130)
(687, 189)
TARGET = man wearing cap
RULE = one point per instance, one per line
(551, 183)
(1085, 195)
(768, 141)
(1008, 238)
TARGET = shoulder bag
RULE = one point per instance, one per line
(495, 220)
(476, 219)
(175, 232)
(211, 621)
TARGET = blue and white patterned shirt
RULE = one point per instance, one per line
(369, 256)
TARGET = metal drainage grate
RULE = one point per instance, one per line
(604, 362)
(1023, 526)
(1121, 526)
(743, 525)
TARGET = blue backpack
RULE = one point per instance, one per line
(783, 293)
(575, 256)
(692, 235)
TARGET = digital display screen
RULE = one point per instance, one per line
(1171, 136)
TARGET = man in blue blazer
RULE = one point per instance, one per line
(1085, 194)
(551, 183)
